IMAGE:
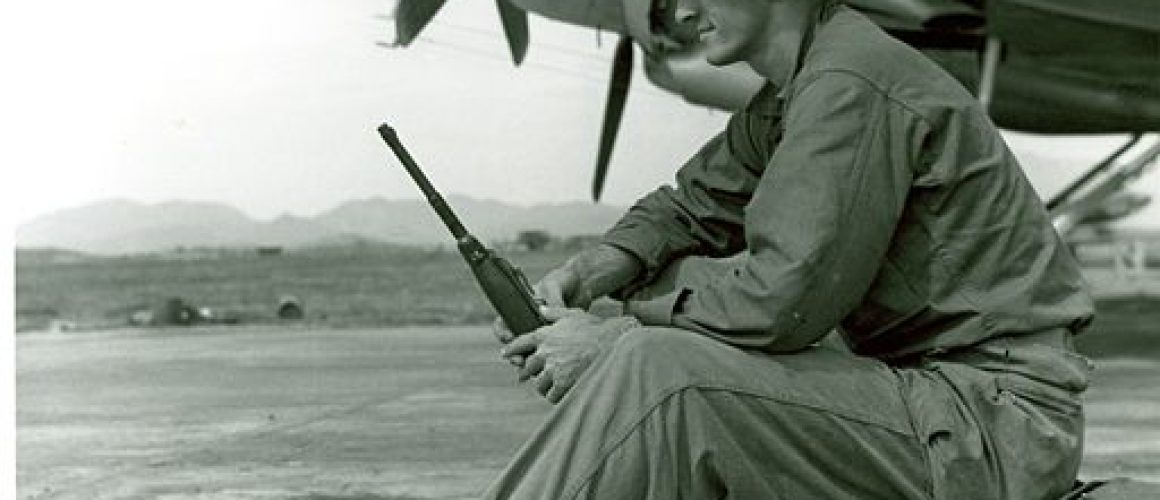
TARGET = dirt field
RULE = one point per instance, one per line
(263, 413)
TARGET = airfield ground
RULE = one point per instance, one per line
(265, 413)
(324, 414)
(354, 402)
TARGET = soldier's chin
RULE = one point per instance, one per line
(717, 58)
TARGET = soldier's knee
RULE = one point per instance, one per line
(649, 341)
(673, 356)
(653, 350)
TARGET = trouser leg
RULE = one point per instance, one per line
(671, 414)
(995, 435)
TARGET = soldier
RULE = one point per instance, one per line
(862, 190)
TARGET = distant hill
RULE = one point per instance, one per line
(122, 226)
(413, 221)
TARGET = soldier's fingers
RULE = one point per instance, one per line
(544, 382)
(501, 332)
(523, 345)
(558, 390)
(554, 314)
(532, 367)
(549, 290)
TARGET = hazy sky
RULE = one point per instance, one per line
(271, 106)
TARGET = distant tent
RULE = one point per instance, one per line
(289, 307)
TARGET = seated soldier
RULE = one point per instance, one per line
(863, 190)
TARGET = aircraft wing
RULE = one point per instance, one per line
(921, 15)
(1078, 28)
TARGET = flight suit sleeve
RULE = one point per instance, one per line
(704, 214)
(818, 226)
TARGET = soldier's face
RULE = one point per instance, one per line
(730, 30)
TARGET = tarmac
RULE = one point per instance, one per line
(323, 414)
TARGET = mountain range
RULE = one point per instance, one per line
(122, 226)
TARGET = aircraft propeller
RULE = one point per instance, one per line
(411, 16)
(618, 84)
(515, 29)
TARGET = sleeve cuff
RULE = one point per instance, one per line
(656, 311)
(648, 247)
(649, 250)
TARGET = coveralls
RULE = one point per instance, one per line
(872, 195)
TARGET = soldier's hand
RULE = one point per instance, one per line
(561, 288)
(501, 332)
(555, 356)
(550, 292)
(588, 275)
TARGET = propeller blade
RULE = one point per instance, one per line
(613, 110)
(515, 29)
(411, 16)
